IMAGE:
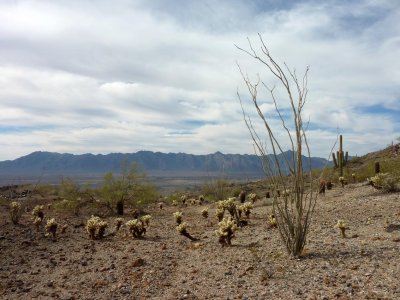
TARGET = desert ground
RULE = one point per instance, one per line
(165, 265)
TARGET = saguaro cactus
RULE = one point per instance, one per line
(341, 160)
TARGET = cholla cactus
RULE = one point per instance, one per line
(204, 213)
(118, 223)
(136, 227)
(219, 213)
(146, 219)
(246, 208)
(15, 212)
(51, 228)
(91, 226)
(272, 223)
(101, 228)
(225, 233)
(174, 203)
(37, 222)
(182, 229)
(252, 197)
(342, 225)
(201, 199)
(178, 217)
(38, 211)
(342, 180)
(183, 199)
(353, 175)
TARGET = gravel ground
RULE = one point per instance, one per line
(166, 265)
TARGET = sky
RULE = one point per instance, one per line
(128, 75)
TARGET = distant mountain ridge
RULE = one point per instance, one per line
(150, 162)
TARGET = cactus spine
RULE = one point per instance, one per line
(341, 159)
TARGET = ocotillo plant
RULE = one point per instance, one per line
(341, 160)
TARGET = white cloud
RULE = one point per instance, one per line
(138, 75)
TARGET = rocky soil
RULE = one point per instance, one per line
(165, 265)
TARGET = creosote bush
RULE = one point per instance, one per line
(225, 232)
(15, 212)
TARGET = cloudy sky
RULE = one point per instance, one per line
(122, 76)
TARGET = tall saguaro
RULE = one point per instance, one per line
(341, 159)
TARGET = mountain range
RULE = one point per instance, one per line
(150, 162)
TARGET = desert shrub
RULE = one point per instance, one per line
(216, 190)
(131, 187)
(293, 212)
(74, 197)
(15, 212)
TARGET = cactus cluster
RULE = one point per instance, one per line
(15, 212)
(136, 227)
(146, 219)
(245, 209)
(96, 227)
(252, 197)
(226, 231)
